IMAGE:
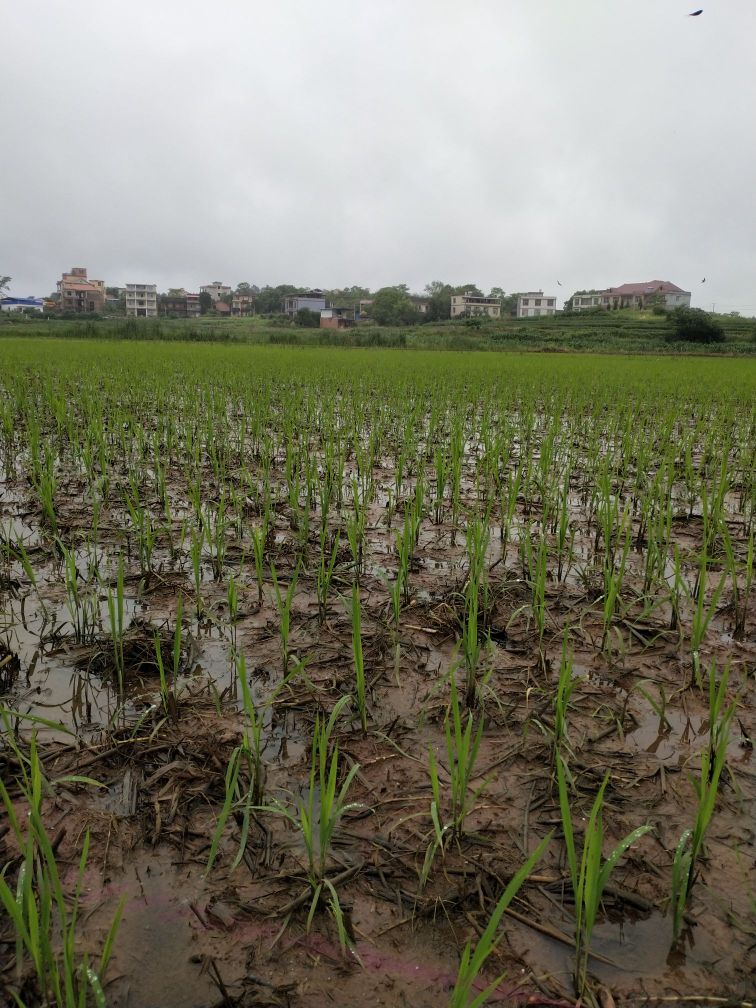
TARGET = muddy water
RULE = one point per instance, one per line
(164, 773)
(158, 954)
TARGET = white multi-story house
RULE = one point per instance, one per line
(141, 300)
(535, 303)
(472, 304)
(218, 291)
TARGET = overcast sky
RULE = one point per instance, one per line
(513, 143)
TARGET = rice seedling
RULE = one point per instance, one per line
(591, 873)
(703, 614)
(324, 573)
(614, 577)
(740, 596)
(259, 536)
(232, 599)
(117, 627)
(284, 601)
(462, 738)
(245, 773)
(440, 468)
(355, 530)
(81, 605)
(464, 994)
(46, 485)
(359, 664)
(318, 813)
(713, 758)
(477, 543)
(168, 693)
(44, 920)
(196, 543)
(145, 531)
(565, 686)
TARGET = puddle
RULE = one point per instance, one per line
(678, 739)
(157, 938)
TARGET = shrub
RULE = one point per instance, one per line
(695, 326)
(308, 319)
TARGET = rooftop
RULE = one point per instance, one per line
(648, 287)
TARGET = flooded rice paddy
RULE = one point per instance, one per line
(309, 651)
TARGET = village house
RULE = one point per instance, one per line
(313, 300)
(472, 304)
(141, 300)
(77, 293)
(243, 304)
(586, 300)
(649, 294)
(533, 304)
(646, 295)
(337, 318)
(218, 291)
(180, 303)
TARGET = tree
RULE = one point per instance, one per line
(4, 283)
(392, 306)
(205, 302)
(694, 326)
(269, 298)
(470, 288)
(347, 296)
(439, 301)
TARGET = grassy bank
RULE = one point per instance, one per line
(618, 332)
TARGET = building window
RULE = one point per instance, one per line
(525, 302)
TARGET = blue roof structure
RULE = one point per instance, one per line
(29, 302)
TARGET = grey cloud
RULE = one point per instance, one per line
(512, 143)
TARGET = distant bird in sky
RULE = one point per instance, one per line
(704, 280)
(559, 283)
(695, 13)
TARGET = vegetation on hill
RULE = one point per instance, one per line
(615, 332)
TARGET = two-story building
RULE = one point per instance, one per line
(180, 303)
(313, 300)
(533, 304)
(586, 300)
(473, 304)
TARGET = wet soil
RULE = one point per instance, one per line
(194, 938)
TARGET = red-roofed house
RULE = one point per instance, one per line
(646, 295)
(79, 294)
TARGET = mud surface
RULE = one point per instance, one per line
(240, 935)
